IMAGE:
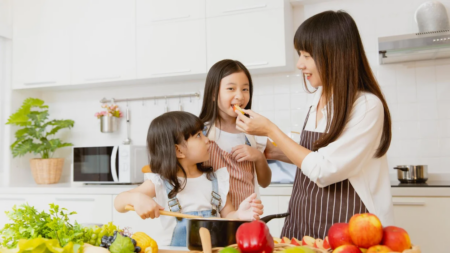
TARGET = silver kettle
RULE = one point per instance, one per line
(412, 173)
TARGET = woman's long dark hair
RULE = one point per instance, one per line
(164, 132)
(210, 109)
(333, 40)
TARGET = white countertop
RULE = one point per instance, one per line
(272, 190)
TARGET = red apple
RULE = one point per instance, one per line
(365, 230)
(326, 243)
(308, 240)
(396, 238)
(294, 241)
(318, 244)
(339, 235)
(347, 249)
(379, 249)
(285, 240)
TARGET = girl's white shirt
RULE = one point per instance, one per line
(352, 155)
(196, 196)
(227, 141)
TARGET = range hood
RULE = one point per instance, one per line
(414, 47)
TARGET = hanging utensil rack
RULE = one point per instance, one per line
(105, 100)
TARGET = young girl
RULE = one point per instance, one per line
(229, 83)
(179, 181)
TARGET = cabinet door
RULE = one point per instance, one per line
(271, 207)
(220, 8)
(426, 221)
(156, 11)
(89, 208)
(256, 39)
(103, 40)
(7, 202)
(151, 227)
(171, 49)
(41, 51)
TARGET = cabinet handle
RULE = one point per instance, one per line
(410, 203)
(14, 199)
(172, 72)
(173, 18)
(38, 83)
(247, 8)
(102, 78)
(256, 63)
(74, 199)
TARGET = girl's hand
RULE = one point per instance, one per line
(146, 207)
(245, 153)
(255, 125)
(250, 209)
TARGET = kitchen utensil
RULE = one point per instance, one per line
(223, 231)
(412, 173)
(205, 237)
(127, 141)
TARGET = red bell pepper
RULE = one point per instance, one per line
(254, 237)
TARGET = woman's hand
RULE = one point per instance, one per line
(250, 209)
(246, 153)
(255, 125)
(146, 207)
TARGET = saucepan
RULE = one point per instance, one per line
(223, 231)
(412, 173)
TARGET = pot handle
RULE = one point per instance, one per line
(274, 216)
(402, 168)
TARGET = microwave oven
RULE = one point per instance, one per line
(109, 164)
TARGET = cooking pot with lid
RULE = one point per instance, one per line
(412, 173)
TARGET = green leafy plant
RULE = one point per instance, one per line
(33, 118)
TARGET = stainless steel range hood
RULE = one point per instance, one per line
(414, 47)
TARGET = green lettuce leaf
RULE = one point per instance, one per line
(122, 245)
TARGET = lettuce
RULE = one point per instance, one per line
(122, 244)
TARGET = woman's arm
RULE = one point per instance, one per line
(274, 153)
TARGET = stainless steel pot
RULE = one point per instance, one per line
(412, 173)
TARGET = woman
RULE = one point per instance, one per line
(342, 152)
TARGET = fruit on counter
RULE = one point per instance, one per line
(308, 240)
(338, 235)
(285, 240)
(237, 108)
(347, 249)
(363, 250)
(326, 243)
(145, 242)
(254, 237)
(229, 250)
(294, 241)
(396, 238)
(88, 248)
(300, 249)
(95, 235)
(365, 230)
(41, 245)
(277, 240)
(123, 244)
(318, 244)
(379, 249)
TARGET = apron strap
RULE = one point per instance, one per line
(174, 204)
(307, 117)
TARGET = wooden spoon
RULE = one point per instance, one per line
(179, 215)
(205, 236)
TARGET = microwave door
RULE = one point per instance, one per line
(113, 164)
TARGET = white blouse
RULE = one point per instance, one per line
(352, 155)
(196, 196)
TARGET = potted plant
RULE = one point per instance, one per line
(34, 137)
(108, 118)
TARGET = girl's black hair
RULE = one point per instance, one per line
(164, 133)
(210, 110)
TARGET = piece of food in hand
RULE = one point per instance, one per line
(347, 249)
(339, 235)
(318, 244)
(229, 250)
(145, 242)
(238, 108)
(308, 240)
(294, 241)
(326, 243)
(365, 230)
(254, 237)
(379, 249)
(122, 244)
(396, 238)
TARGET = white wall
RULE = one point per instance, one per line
(418, 94)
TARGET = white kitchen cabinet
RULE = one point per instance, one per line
(271, 207)
(103, 40)
(171, 49)
(150, 12)
(151, 227)
(41, 43)
(426, 221)
(258, 39)
(8, 201)
(220, 8)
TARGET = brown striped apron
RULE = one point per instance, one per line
(241, 173)
(313, 209)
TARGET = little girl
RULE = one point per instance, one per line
(229, 83)
(179, 182)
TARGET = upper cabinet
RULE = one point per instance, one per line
(170, 38)
(103, 40)
(222, 8)
(41, 43)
